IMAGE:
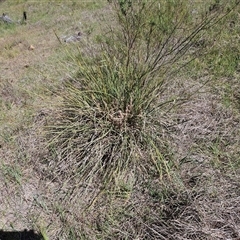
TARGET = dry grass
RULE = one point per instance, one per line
(202, 199)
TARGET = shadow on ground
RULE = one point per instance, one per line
(20, 235)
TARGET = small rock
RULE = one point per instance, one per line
(73, 38)
(6, 18)
(31, 47)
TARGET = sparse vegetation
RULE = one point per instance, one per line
(131, 133)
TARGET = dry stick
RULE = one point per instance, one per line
(24, 16)
(57, 36)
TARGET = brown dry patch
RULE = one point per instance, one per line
(18, 55)
(210, 210)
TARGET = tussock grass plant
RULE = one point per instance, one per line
(111, 119)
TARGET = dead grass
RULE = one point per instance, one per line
(200, 202)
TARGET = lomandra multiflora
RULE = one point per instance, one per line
(112, 117)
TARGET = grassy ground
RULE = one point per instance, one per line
(198, 198)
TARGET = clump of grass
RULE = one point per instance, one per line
(112, 115)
